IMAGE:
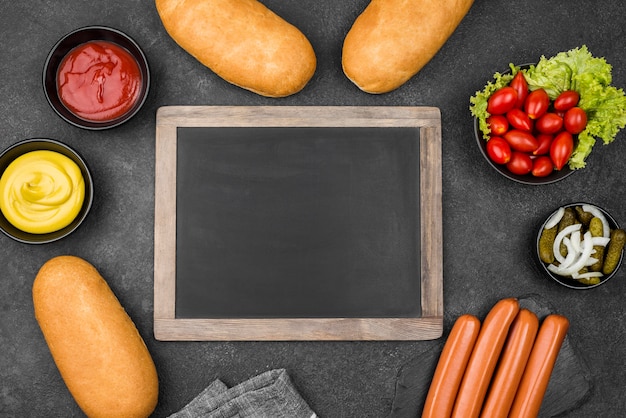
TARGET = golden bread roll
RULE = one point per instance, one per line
(243, 42)
(393, 39)
(100, 355)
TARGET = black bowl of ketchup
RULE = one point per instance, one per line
(96, 77)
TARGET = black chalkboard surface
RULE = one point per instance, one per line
(302, 222)
(276, 224)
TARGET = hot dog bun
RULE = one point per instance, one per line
(101, 357)
(243, 42)
(393, 39)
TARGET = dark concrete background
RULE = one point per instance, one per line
(489, 222)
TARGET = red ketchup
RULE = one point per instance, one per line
(99, 81)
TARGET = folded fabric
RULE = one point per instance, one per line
(268, 395)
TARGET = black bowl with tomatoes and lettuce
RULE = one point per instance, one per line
(537, 123)
(528, 140)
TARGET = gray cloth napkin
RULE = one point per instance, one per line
(268, 395)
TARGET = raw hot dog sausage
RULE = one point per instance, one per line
(452, 362)
(534, 383)
(511, 366)
(484, 358)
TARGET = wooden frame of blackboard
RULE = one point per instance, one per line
(429, 325)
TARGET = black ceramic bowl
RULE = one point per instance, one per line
(74, 39)
(525, 179)
(37, 144)
(568, 281)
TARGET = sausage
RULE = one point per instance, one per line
(452, 362)
(511, 366)
(484, 358)
(101, 357)
(534, 383)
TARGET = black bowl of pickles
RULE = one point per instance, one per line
(580, 246)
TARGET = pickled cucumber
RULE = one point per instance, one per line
(597, 230)
(546, 241)
(588, 222)
(614, 251)
(583, 217)
(589, 281)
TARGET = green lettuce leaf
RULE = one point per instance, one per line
(606, 115)
(575, 69)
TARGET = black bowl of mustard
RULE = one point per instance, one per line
(96, 77)
(46, 191)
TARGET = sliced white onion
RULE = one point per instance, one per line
(591, 261)
(555, 219)
(571, 254)
(556, 247)
(601, 241)
(598, 214)
(582, 259)
(588, 275)
(554, 269)
(575, 239)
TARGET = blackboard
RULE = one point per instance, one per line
(293, 223)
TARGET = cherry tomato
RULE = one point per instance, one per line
(549, 123)
(521, 140)
(544, 140)
(537, 103)
(521, 87)
(520, 163)
(542, 166)
(519, 120)
(561, 149)
(501, 101)
(575, 120)
(499, 150)
(498, 124)
(566, 100)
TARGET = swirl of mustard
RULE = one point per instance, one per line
(41, 192)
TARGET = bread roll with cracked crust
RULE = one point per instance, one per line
(243, 42)
(392, 40)
(102, 359)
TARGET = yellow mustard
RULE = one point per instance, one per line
(41, 192)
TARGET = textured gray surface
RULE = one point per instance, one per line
(489, 223)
